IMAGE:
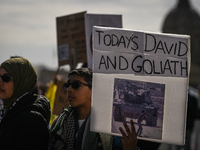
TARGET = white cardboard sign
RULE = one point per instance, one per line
(136, 71)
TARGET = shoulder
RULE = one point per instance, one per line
(66, 111)
(35, 100)
(59, 120)
(36, 106)
(41, 100)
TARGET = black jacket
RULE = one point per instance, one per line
(25, 126)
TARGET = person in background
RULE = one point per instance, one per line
(139, 122)
(25, 117)
(71, 129)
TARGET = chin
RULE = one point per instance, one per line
(72, 104)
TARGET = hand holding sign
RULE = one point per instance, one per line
(129, 139)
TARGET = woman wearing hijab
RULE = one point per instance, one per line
(25, 117)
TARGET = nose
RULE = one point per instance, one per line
(65, 87)
(1, 81)
(69, 88)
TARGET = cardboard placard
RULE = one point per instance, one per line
(60, 99)
(139, 74)
(71, 39)
(106, 20)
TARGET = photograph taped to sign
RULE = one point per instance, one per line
(141, 101)
(141, 57)
(63, 52)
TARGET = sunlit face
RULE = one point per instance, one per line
(80, 97)
(6, 88)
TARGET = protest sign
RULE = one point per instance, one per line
(106, 20)
(141, 76)
(60, 99)
(71, 39)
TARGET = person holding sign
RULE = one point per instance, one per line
(25, 116)
(71, 129)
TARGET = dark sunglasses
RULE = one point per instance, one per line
(5, 78)
(75, 84)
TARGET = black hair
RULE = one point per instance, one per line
(86, 73)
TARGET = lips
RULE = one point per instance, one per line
(1, 90)
(70, 97)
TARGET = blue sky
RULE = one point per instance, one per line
(28, 27)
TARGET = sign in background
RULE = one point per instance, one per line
(71, 39)
(105, 20)
(60, 99)
(71, 42)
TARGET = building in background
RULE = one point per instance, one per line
(184, 19)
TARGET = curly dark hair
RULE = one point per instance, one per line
(86, 73)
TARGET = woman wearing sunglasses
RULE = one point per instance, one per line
(25, 117)
(71, 129)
